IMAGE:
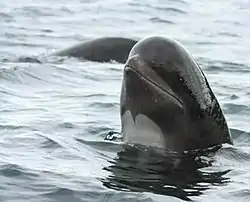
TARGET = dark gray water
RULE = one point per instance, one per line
(55, 115)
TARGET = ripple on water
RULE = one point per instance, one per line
(103, 105)
(235, 108)
(164, 173)
(50, 144)
(16, 171)
(160, 20)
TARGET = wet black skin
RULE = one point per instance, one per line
(102, 49)
(162, 81)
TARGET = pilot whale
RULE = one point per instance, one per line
(103, 49)
(166, 100)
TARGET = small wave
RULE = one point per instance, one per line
(231, 156)
(230, 22)
(66, 125)
(229, 34)
(35, 11)
(234, 108)
(47, 30)
(22, 75)
(94, 195)
(10, 75)
(206, 43)
(95, 95)
(162, 7)
(241, 194)
(160, 20)
(172, 10)
(6, 17)
(15, 44)
(240, 136)
(61, 192)
(13, 127)
(179, 1)
(49, 142)
(234, 97)
(13, 170)
(103, 105)
(223, 66)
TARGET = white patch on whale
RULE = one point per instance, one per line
(141, 131)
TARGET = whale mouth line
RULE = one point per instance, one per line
(127, 67)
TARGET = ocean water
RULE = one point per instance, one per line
(56, 114)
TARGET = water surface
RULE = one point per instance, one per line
(56, 113)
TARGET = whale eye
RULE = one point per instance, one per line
(154, 67)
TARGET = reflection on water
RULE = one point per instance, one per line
(163, 172)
